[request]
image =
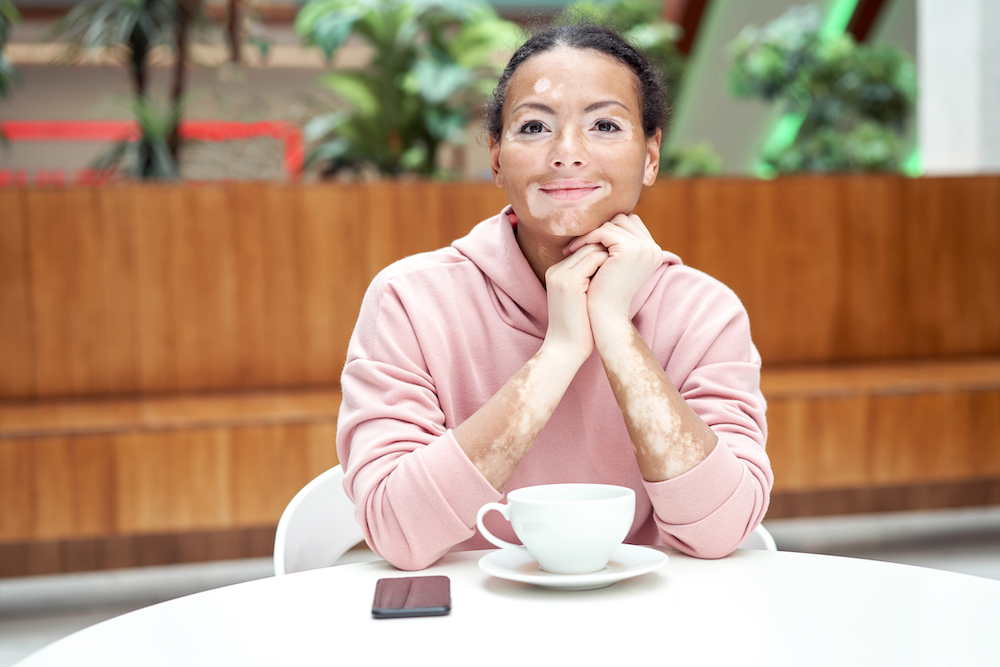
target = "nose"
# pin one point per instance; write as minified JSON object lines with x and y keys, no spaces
{"x":568,"y":149}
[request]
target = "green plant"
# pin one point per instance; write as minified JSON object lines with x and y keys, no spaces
{"x":433,"y":62}
{"x":151,"y":157}
{"x":136,"y":27}
{"x":689,"y":161}
{"x":642,"y":23}
{"x":8,"y":74}
{"x":854,"y":101}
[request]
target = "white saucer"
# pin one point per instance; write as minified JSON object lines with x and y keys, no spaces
{"x":627,"y":561}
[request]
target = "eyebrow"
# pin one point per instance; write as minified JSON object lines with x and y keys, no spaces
{"x":549,"y":110}
{"x":607,"y":103}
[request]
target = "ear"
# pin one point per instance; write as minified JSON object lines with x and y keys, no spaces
{"x":652,"y":158}
{"x":495,"y":162}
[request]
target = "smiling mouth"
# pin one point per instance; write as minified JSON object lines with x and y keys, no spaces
{"x":569,"y":191}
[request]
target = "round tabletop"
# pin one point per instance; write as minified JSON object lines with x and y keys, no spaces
{"x":751,"y":608}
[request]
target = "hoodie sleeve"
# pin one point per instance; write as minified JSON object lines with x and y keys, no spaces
{"x":415,"y":491}
{"x":708,"y":511}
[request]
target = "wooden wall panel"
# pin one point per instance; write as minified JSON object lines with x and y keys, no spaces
{"x":74,"y":486}
{"x":250,"y":211}
{"x":149,"y":210}
{"x":142,"y":482}
{"x":17,"y":336}
{"x":67,"y":292}
{"x":283,"y":242}
{"x":153,"y":288}
{"x":332,"y":282}
{"x":270,"y":465}
{"x":872,"y":440}
{"x":18,"y":514}
{"x":121,"y":292}
{"x":173,"y":480}
{"x":205,"y":287}
{"x":872,"y":269}
{"x":986,"y":432}
{"x":818,"y":444}
{"x":120,"y":551}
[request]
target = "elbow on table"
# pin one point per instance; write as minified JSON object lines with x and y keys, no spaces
{"x":402,"y":555}
{"x":706,"y":552}
{"x":709,"y":547}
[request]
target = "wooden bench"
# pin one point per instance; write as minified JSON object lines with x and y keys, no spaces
{"x":120,"y":482}
{"x":169,"y":356}
{"x":884,"y":437}
{"x":142,"y":481}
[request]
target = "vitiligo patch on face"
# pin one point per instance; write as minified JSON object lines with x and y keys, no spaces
{"x":563,"y":219}
{"x":542,"y":85}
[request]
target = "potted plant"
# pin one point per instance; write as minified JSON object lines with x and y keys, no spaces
{"x":136,"y":27}
{"x":8,"y":74}
{"x":853,"y":101}
{"x":432,"y":63}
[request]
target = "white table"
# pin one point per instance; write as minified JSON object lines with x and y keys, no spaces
{"x":753,"y":608}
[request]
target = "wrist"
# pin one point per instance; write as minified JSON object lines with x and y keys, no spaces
{"x":562,"y":355}
{"x":610,"y":327}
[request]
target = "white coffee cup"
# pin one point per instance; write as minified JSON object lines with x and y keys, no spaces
{"x":567,"y":528}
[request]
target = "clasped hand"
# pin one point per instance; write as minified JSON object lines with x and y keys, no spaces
{"x":602,"y":272}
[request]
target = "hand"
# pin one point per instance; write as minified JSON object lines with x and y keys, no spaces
{"x":567,"y":284}
{"x":633,"y":256}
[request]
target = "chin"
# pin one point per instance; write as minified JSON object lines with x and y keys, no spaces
{"x":574,"y":222}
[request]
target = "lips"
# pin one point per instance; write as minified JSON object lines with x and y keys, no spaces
{"x":569,"y":189}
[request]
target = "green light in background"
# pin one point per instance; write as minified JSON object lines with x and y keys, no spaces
{"x":913,"y":166}
{"x":786,"y":129}
{"x":782,"y":136}
{"x":837,"y":18}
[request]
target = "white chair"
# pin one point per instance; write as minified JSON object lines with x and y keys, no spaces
{"x":760,"y":539}
{"x":317,"y":527}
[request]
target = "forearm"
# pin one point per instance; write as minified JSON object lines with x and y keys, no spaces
{"x":668,"y":437}
{"x":497,"y":437}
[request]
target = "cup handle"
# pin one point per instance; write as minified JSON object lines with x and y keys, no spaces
{"x":504,"y":510}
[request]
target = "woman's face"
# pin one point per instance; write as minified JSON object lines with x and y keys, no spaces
{"x":572,"y":154}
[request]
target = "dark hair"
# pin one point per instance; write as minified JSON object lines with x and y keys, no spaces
{"x":652,"y":94}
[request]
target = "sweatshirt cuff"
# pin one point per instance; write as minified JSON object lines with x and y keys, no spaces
{"x":446,"y":462}
{"x":699,"y":492}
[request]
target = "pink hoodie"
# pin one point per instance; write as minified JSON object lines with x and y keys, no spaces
{"x":439,"y":333}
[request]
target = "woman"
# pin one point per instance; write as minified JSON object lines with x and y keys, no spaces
{"x":556,"y":342}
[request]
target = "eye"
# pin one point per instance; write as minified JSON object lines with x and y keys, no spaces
{"x":606,"y":126}
{"x":532,"y":127}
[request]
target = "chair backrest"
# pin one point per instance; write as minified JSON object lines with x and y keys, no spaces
{"x":761,"y":539}
{"x":317,"y":527}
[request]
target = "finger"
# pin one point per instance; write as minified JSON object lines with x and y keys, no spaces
{"x":584,"y":262}
{"x":580,"y":249}
{"x":588,"y":254}
{"x":632,"y":224}
{"x":605,"y":235}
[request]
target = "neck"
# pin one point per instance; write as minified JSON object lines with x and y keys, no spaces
{"x":541,"y":252}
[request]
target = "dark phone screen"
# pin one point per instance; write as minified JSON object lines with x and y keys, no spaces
{"x":400,"y":597}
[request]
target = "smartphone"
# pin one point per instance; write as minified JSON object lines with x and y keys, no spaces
{"x":399,"y":597}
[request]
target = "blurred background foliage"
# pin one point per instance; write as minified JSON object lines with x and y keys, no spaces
{"x":8,"y":73}
{"x":133,"y":29}
{"x":853,"y":101}
{"x":433,"y":63}
{"x":642,"y":23}
{"x":690,"y":161}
